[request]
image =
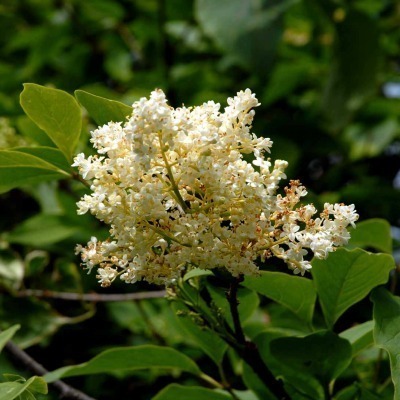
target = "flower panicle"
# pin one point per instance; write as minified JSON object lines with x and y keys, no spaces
{"x":177,"y":192}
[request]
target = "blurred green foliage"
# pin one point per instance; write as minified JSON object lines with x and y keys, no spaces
{"x":327,"y":75}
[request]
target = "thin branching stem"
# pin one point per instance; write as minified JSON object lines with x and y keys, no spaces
{"x":93,"y":297}
{"x":24,"y":359}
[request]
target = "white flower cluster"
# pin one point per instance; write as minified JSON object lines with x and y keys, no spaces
{"x":177,"y":193}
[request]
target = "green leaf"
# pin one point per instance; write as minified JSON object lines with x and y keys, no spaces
{"x":103,"y":110}
{"x":19,"y":169}
{"x":359,"y":336}
{"x":31,"y":131}
{"x":293,"y":292}
{"x":178,"y":392}
{"x":323,"y":355}
{"x":356,"y":392}
{"x":11,"y":390}
{"x":369,"y":141}
{"x":6,"y":335}
{"x":354,"y":70}
{"x":284,"y":79}
{"x":56,"y":112}
{"x":129,"y":359}
{"x":41,"y":230}
{"x":240,"y":28}
{"x":299,"y":386}
{"x":201,"y":337}
{"x":387,"y":328}
{"x":346,"y":277}
{"x":49,"y":154}
{"x":374,"y":232}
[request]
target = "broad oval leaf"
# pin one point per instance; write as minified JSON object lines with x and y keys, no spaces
{"x":375,"y":233}
{"x":6,"y":335}
{"x":296,"y":293}
{"x":178,"y":392}
{"x":323,"y":355}
{"x":56,"y":112}
{"x":18,"y":169}
{"x":299,"y":386}
{"x":129,"y":359}
{"x":386,"y":331}
{"x":103,"y":110}
{"x":346,"y":277}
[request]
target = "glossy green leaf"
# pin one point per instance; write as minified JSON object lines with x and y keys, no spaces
{"x":198,"y":335}
{"x":178,"y":392}
{"x":103,"y":110}
{"x":299,"y":386}
{"x":346,"y":277}
{"x":374,"y":233}
{"x":41,"y":230}
{"x":12,"y":390}
{"x":323,"y":355}
{"x":49,"y":154}
{"x":294,"y":292}
{"x":386,"y":331}
{"x":129,"y":359}
{"x":355,"y":69}
{"x":359,"y":336}
{"x":19,"y":169}
{"x":6,"y":335}
{"x":55,"y":112}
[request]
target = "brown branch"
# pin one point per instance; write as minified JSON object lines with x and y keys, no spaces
{"x":94,"y":297}
{"x":24,"y":359}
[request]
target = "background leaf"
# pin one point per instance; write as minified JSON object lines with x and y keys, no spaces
{"x":387,"y":328}
{"x":346,"y":277}
{"x":355,"y":67}
{"x":244,"y":29}
{"x":56,"y":112}
{"x":41,"y":230}
{"x":103,"y":110}
{"x":295,"y":293}
{"x":129,"y":359}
